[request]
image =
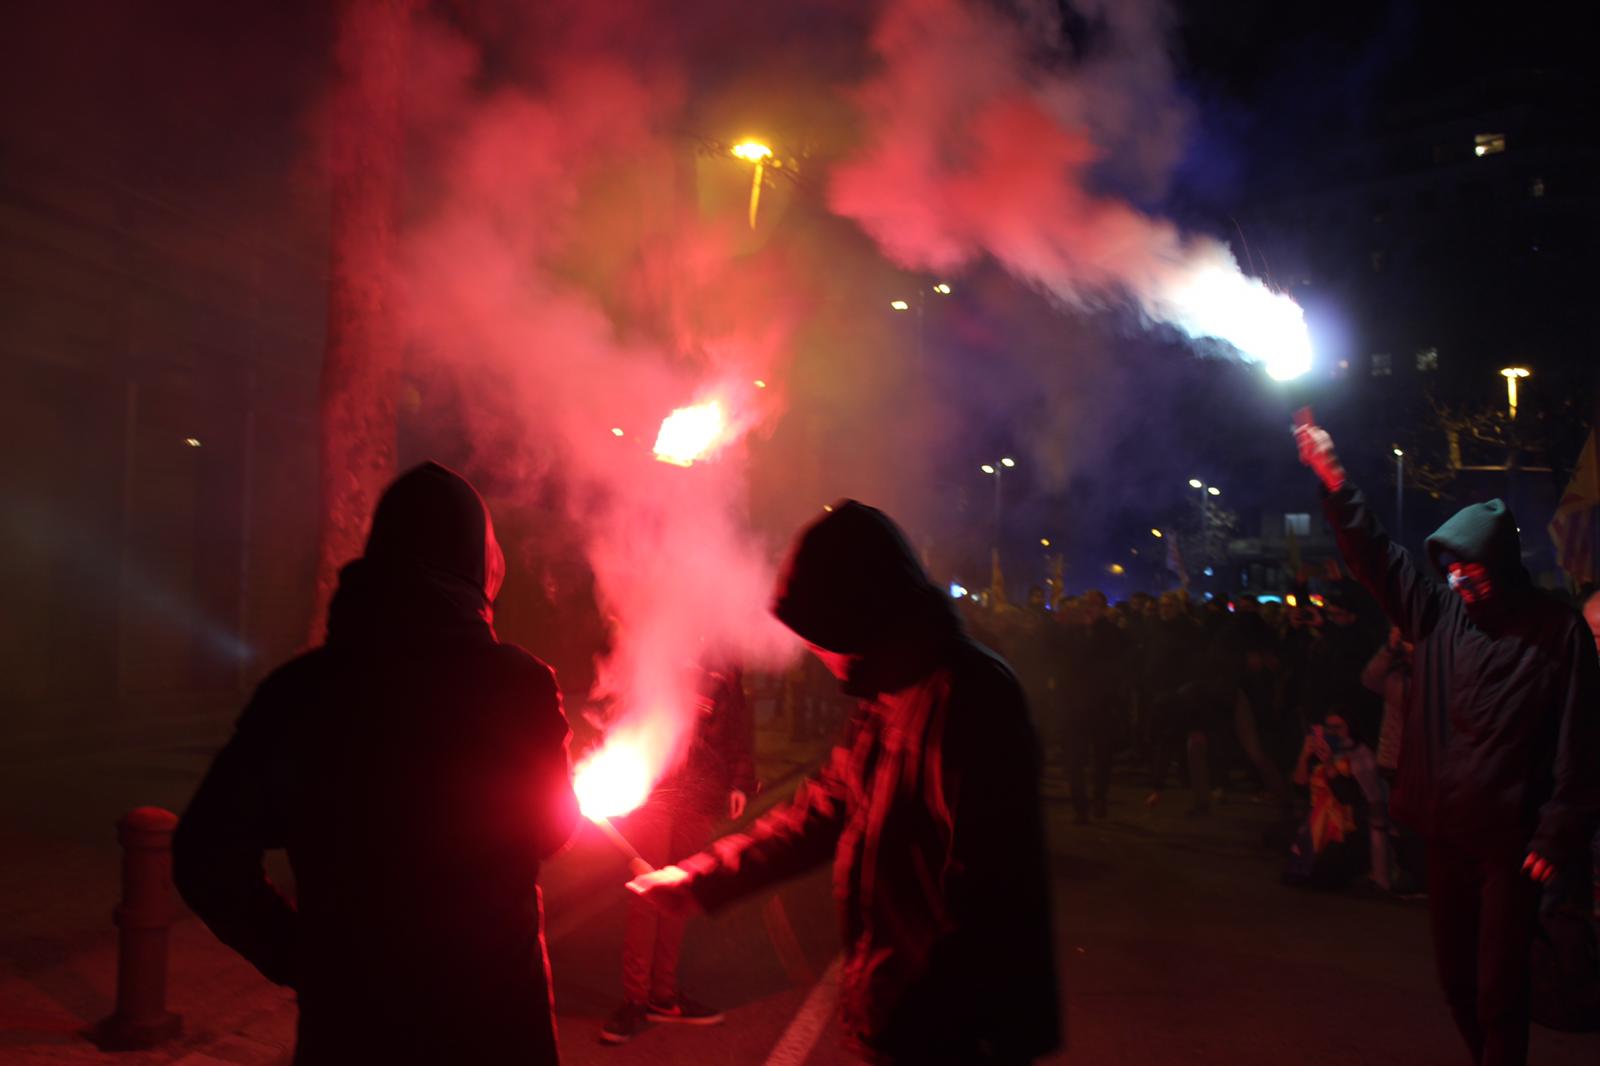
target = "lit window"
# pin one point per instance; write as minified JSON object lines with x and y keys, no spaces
{"x":1298,"y":524}
{"x":1488,"y":144}
{"x":1427,"y":359}
{"x":1382,"y":365}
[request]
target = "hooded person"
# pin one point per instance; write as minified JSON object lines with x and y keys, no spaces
{"x":415,"y":770}
{"x":928,"y":809}
{"x":1500,"y":758}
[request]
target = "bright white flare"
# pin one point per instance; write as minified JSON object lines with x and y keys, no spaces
{"x":613,"y":781}
{"x":1216,"y":300}
{"x":690,"y":433}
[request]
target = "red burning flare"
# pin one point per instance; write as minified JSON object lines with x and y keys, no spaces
{"x":610,"y":783}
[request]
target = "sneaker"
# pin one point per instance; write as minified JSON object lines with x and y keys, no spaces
{"x":629,"y":1021}
{"x":684,"y":1011}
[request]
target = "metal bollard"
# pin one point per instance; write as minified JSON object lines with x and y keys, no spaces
{"x":144,"y":915}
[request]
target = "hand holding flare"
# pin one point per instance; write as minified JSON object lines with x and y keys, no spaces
{"x":610,"y":783}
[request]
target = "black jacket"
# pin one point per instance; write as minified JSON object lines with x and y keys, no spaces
{"x":929,"y":811}
{"x":1501,"y":748}
{"x":415,"y":770}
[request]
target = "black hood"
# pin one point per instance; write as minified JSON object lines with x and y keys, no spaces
{"x":431,"y":561}
{"x":854,"y":586}
{"x":1484,"y":533}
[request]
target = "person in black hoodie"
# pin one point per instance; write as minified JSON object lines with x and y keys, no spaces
{"x":416,"y":772}
{"x":1500,"y":762}
{"x":929,"y":810}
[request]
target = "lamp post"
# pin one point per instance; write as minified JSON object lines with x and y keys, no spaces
{"x":757,"y":153}
{"x":1399,"y":495}
{"x":1513,"y":374}
{"x":997,"y":470}
{"x":942,"y":288}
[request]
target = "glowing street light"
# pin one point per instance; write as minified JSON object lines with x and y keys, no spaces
{"x":998,"y":469}
{"x":1196,"y":483}
{"x":1213,"y":490}
{"x":943,"y":288}
{"x":1512,"y":374}
{"x":1156,"y":533}
{"x":757,"y":153}
{"x":899,"y":305}
{"x":616,"y":431}
{"x":1044,"y":542}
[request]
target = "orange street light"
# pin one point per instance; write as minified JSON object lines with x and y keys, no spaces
{"x":757,"y":153}
{"x":1512,"y":374}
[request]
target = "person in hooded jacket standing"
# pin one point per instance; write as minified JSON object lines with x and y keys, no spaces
{"x":929,"y":810}
{"x":416,"y":771}
{"x":1500,"y":758}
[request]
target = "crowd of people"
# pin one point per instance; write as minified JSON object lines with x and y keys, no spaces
{"x":416,"y":771}
{"x":1240,"y":699}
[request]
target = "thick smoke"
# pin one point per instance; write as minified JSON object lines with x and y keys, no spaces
{"x":985,"y":136}
{"x":572,"y":265}
{"x":561,"y":282}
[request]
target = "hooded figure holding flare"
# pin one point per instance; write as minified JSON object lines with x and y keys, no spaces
{"x":1500,"y":759}
{"x":928,"y":809}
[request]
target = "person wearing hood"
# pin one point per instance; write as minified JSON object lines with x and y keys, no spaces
{"x":1500,"y":754}
{"x":929,"y":810}
{"x":416,"y":772}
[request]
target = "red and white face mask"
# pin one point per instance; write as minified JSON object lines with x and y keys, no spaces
{"x":1470,"y":581}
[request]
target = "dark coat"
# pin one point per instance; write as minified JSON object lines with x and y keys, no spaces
{"x":1501,"y":745}
{"x":416,"y":771}
{"x":929,"y":811}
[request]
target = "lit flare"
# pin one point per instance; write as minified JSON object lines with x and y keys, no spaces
{"x":691,"y":433}
{"x":612,"y":782}
{"x":1267,"y":327}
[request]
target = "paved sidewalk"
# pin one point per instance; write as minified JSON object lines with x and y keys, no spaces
{"x":60,"y":881}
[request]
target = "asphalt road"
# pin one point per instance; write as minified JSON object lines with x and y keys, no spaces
{"x":1177,"y":943}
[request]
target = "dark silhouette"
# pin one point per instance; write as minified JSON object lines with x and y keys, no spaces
{"x":1500,"y":747}
{"x":928,"y":809}
{"x":416,"y":771}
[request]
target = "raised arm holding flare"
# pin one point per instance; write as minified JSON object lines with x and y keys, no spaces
{"x":1498,"y":765}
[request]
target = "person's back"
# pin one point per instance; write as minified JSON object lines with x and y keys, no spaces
{"x":416,"y":772}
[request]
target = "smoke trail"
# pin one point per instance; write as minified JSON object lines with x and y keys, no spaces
{"x":559,"y":275}
{"x":1002,"y":160}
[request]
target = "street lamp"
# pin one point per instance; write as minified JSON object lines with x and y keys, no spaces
{"x":1213,"y":490}
{"x":757,"y":153}
{"x":1156,"y":533}
{"x":1512,"y":374}
{"x":997,"y":470}
{"x":1399,"y":495}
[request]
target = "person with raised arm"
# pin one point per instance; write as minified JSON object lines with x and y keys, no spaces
{"x":1500,"y":758}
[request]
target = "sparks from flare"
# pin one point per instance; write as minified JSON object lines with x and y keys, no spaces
{"x":691,"y":433}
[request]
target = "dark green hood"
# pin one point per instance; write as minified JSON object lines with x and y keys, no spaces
{"x":1481,"y":533}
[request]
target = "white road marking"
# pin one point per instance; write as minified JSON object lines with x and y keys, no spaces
{"x":794,"y":1046}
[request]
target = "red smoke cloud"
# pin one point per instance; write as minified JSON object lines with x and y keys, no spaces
{"x":976,"y":147}
{"x":558,"y":271}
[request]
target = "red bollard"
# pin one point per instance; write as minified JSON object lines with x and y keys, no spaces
{"x":142,"y":1019}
